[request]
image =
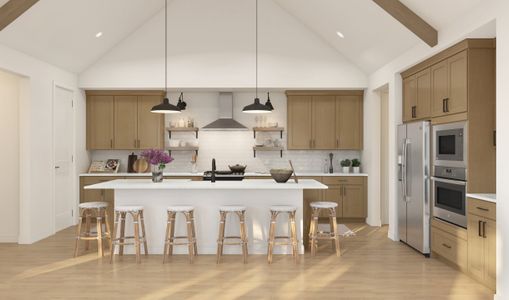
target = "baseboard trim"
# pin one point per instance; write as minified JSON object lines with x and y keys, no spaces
{"x":8,"y":239}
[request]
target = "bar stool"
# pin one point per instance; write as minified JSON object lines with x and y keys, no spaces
{"x":332,"y":235}
{"x":170,"y":239}
{"x":291,"y":240}
{"x":136,"y":212}
{"x":87,"y":211}
{"x":240,"y":211}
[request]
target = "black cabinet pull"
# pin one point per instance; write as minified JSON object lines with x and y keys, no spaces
{"x":494,"y":138}
{"x":443,"y":105}
{"x":484,"y":229}
{"x":446,"y":104}
{"x":479,"y":229}
{"x":414,"y":111}
{"x":446,"y":246}
{"x":482,"y":208}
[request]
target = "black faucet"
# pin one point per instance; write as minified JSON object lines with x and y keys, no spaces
{"x":213,"y":175}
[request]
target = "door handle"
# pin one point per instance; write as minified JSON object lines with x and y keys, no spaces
{"x":337,"y":143}
{"x":446,"y":246}
{"x":414,"y":111}
{"x":479,"y":228}
{"x":344,"y":191}
{"x":111,"y":143}
{"x":484,"y":229}
{"x":57,"y":167}
{"x":446,"y":104}
{"x":482,"y":208}
{"x":443,"y":105}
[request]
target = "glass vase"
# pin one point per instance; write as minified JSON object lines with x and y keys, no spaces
{"x":157,"y":174}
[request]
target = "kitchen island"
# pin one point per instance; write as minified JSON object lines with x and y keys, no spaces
{"x":258,"y":195}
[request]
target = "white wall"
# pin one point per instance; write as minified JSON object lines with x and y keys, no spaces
{"x":232,"y":147}
{"x":36,"y":98}
{"x":9,"y":180}
{"x":211,"y":45}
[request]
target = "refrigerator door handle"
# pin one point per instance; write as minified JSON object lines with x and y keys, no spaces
{"x":406,"y":142}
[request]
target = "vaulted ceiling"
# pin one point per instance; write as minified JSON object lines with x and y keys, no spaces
{"x":62,"y":32}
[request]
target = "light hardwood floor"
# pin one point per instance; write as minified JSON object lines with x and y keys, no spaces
{"x":371,"y":267}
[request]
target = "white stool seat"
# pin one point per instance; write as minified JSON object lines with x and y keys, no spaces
{"x":323,"y":204}
{"x":180,"y":208}
{"x":128,"y":208}
{"x":93,"y":205}
{"x":283,"y":208}
{"x":232,"y":208}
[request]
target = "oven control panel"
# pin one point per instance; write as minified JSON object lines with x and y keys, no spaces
{"x":450,"y":173}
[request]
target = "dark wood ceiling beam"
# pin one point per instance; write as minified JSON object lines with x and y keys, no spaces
{"x":410,"y":20}
{"x":11,"y":10}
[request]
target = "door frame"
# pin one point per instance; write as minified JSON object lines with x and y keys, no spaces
{"x":74,"y":204}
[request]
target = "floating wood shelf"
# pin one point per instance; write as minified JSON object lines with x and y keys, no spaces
{"x":182,"y":149}
{"x":268,"y":129}
{"x":258,"y":148}
{"x":182,"y":129}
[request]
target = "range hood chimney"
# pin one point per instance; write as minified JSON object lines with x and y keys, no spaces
{"x":225,"y":120}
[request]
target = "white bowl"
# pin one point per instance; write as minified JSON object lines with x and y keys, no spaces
{"x":174,"y":143}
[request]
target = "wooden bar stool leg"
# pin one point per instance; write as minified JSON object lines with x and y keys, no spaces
{"x":272,"y":233}
{"x":108,"y":229}
{"x":87,"y":228}
{"x":167,"y":238}
{"x":220,"y":239}
{"x":194,"y":234}
{"x":114,"y":236}
{"x":145,"y":247}
{"x":189,"y":236}
{"x":172,"y":232}
{"x":99,"y":225}
{"x":293,"y":230}
{"x":335,"y":231}
{"x":78,"y":235}
{"x":314,"y":232}
{"x":122,"y":233}
{"x":243,"y":234}
{"x":136,"y":221}
{"x":332,"y":213}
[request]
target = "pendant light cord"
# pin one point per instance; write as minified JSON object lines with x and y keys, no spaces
{"x":256,"y":47}
{"x":166,"y":47}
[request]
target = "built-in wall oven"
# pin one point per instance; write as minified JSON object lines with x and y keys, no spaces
{"x":450,"y":145}
{"x":449,"y":195}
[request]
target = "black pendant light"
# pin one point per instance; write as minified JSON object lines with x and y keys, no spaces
{"x":268,"y":103}
{"x":166,"y":107}
{"x":256,"y":107}
{"x":182,"y":104}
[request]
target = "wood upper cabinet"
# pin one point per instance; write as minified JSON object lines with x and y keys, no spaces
{"x":449,"y":85}
{"x":349,"y":122}
{"x":126,"y":127}
{"x":409,"y":98}
{"x":417,"y":96}
{"x":324,"y":118}
{"x":299,"y":122}
{"x":100,"y":122}
{"x":122,"y":120}
{"x":150,"y":125}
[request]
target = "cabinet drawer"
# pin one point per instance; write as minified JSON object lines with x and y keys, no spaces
{"x":456,"y":231}
{"x":452,"y":248}
{"x":342,"y":180}
{"x":482,"y":208}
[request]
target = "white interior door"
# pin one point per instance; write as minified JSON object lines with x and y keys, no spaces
{"x":63,"y":141}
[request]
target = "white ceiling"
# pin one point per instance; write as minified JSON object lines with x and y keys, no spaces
{"x":62,"y":32}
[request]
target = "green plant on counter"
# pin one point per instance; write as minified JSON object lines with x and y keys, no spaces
{"x":346,"y":162}
{"x":356,"y":162}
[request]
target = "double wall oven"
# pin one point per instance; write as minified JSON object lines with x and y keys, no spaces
{"x":449,"y":181}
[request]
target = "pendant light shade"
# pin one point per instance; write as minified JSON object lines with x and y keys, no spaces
{"x":256,"y":108}
{"x":166,"y":107}
{"x":268,"y":103}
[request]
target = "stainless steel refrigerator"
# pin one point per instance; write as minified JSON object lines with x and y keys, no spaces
{"x":414,"y":208}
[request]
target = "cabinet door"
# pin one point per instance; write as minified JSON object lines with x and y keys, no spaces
{"x":490,"y":254}
{"x":423,"y":93}
{"x":126,"y":116}
{"x":324,"y":118}
{"x":98,"y":195}
{"x":409,"y":98}
{"x":150,"y":125}
{"x":309,"y":196}
{"x":349,"y":122}
{"x":333,"y":194}
{"x":475,"y":247}
{"x":99,"y":122}
{"x":439,"y":88}
{"x":299,"y":122}
{"x":354,"y":204}
{"x":457,"y":66}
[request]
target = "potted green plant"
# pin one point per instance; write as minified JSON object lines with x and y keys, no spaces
{"x":356,"y":165}
{"x":345,"y":165}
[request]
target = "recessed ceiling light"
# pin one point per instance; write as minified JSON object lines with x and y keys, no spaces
{"x":99,"y":34}
{"x":340,"y":34}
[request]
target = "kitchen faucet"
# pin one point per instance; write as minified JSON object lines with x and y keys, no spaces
{"x":213,"y":175}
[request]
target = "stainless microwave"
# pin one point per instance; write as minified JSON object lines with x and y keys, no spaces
{"x":450,"y":145}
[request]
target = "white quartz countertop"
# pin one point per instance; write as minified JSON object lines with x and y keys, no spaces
{"x":184,"y":184}
{"x":484,"y":197}
{"x":199,"y":174}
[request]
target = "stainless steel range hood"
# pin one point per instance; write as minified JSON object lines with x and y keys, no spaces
{"x":225,"y":121}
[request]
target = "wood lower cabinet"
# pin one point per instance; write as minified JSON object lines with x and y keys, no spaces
{"x":325,"y":120}
{"x":482,"y":242}
{"x":354,"y":204}
{"x":98,"y":195}
{"x":450,"y":243}
{"x":122,"y":120}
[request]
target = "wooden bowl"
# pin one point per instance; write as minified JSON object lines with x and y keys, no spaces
{"x":141,"y":165}
{"x":281,"y":175}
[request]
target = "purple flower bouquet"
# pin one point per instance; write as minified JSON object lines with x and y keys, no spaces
{"x":158,"y":159}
